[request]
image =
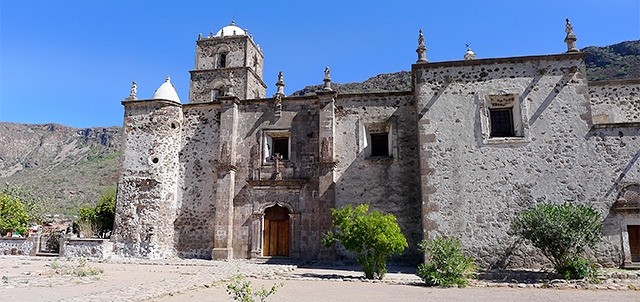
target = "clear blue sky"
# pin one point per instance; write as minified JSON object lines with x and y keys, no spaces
{"x":72,"y":62}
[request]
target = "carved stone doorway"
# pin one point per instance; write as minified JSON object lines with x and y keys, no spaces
{"x":634,"y":242}
{"x":276,"y":232}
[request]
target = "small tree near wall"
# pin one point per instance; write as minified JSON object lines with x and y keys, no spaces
{"x":13,"y":216}
{"x":371,"y":235}
{"x":562,"y":232}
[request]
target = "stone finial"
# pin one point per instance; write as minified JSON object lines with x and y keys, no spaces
{"x":327,"y":79}
{"x":199,"y":36}
{"x":280,"y":85}
{"x":167,"y":79}
{"x":469,"y":55}
{"x":571,"y":38}
{"x":133,"y":94}
{"x":422,"y":49}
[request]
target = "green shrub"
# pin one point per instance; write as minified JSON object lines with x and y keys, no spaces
{"x":371,"y":235}
{"x":13,"y":216}
{"x":562,"y":232}
{"x":35,"y":206}
{"x":98,"y":220}
{"x":577,"y":269}
{"x":447,"y":265}
{"x":80,"y":270}
{"x":240,"y":290}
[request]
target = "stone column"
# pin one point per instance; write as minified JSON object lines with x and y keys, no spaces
{"x":226,"y":170}
{"x":257,"y":220}
{"x":294,"y":235}
{"x":326,"y":167}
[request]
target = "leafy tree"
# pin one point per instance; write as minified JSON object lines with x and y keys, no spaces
{"x":371,"y":235}
{"x":106,"y":213}
{"x":447,"y":265}
{"x":13,"y":216}
{"x":35,"y":205}
{"x":562,"y":232}
{"x":98,"y":220}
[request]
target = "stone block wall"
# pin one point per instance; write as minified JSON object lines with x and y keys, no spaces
{"x":615,"y":102}
{"x":256,"y":88}
{"x":86,"y":247}
{"x":148,"y":187}
{"x":255,"y":58}
{"x":389,"y":184}
{"x":207,"y":48}
{"x":200,"y":136}
{"x":472,"y":183}
{"x":203,"y":81}
{"x":297,"y":191}
{"x":18,"y":246}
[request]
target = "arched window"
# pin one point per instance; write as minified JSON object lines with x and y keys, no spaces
{"x":221,"y":62}
{"x":255,"y":63}
{"x":222,"y":53}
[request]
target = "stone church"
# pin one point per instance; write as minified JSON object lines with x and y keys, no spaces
{"x":234,"y":174}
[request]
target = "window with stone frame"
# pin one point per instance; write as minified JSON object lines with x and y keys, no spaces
{"x":378,"y":137}
{"x":276,"y":143}
{"x":504,"y":117}
{"x":379,"y":144}
{"x":501,"y":122}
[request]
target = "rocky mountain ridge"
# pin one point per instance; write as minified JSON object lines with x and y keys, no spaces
{"x":614,"y":62}
{"x":64,"y":165}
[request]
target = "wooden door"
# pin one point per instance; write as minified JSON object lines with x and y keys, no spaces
{"x":276,"y":232}
{"x":634,"y":242}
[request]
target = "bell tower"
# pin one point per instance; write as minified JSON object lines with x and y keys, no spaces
{"x":228,"y":63}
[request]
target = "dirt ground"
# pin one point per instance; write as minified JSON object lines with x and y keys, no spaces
{"x":297,"y":290}
{"x":53,"y":279}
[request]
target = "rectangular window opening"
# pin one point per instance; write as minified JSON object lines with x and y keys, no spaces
{"x":501,"y":120}
{"x":379,"y":144}
{"x":281,"y":147}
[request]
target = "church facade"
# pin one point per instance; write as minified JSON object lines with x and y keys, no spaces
{"x":234,"y":174}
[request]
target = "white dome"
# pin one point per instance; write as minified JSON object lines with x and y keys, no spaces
{"x":231,"y":30}
{"x":166,"y":91}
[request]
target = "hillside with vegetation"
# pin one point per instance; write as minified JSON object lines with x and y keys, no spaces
{"x":618,"y":61}
{"x":69,"y":166}
{"x":614,"y":62}
{"x":62,"y":165}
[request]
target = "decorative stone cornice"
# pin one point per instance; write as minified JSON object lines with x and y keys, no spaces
{"x":297,"y":183}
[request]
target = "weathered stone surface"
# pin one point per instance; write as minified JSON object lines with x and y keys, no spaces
{"x":18,"y":246}
{"x":428,"y":156}
{"x":477,"y":186}
{"x":615,"y":102}
{"x":86,"y":247}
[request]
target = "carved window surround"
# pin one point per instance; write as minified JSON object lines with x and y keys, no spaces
{"x":503,"y":105}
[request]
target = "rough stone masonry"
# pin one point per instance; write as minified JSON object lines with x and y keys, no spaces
{"x":233,"y":173}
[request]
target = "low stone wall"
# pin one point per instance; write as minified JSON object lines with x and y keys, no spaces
{"x":86,"y":247}
{"x":18,"y":246}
